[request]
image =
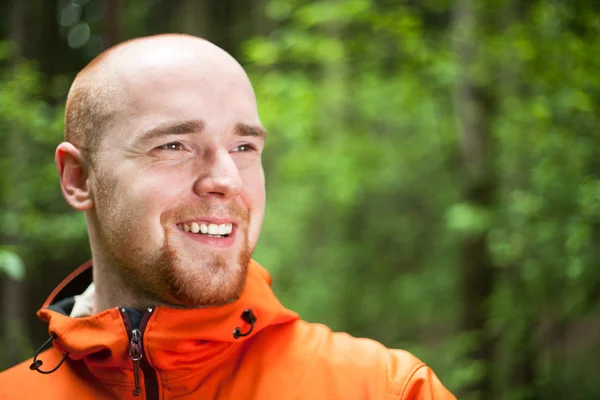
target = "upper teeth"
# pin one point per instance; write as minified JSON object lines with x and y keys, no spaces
{"x":211,"y":229}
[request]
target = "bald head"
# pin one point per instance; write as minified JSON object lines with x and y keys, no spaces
{"x":106,"y":90}
{"x":163,"y":133}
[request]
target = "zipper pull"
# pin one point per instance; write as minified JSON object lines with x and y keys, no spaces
{"x":136,"y":354}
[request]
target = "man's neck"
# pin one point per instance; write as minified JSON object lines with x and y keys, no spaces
{"x":113,"y":290}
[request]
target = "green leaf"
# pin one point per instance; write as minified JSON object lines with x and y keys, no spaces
{"x":12,"y":265}
{"x":467,"y":218}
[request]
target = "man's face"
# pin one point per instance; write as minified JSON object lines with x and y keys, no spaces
{"x":178,"y":183}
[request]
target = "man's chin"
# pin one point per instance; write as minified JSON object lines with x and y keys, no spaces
{"x":213,"y":282}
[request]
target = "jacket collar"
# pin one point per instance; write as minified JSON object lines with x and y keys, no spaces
{"x":103,"y":338}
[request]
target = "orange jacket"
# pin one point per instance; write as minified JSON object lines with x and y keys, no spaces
{"x":203,"y":354}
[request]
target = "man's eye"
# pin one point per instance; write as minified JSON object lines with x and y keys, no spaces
{"x":244,"y":148}
{"x":171,"y":146}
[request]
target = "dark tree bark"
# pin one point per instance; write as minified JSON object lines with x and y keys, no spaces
{"x":261,"y":23}
{"x":474,"y":104}
{"x":195,"y":17}
{"x":162,"y":19}
{"x":112,"y":24}
{"x":18,"y":26}
{"x":13,"y":301}
{"x":523,"y":374}
{"x":225,"y":23}
{"x":522,"y":367}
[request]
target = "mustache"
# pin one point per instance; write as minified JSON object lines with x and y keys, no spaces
{"x":215,"y":210}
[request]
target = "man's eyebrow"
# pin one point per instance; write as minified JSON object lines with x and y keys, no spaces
{"x":173,"y":128}
{"x":250,"y":130}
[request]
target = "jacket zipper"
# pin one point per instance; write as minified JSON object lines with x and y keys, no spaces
{"x":136,"y":354}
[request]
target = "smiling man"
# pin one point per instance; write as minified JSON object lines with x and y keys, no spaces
{"x":162,"y":153}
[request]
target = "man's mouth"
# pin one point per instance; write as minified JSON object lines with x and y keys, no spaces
{"x":207,"y":229}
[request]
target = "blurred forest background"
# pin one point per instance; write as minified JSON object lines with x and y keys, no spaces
{"x":433,"y":171}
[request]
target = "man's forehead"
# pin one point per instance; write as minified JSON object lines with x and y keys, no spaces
{"x":157,"y":79}
{"x":164,"y":57}
{"x":162,"y":48}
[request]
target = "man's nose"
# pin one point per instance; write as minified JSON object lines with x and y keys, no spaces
{"x":218,"y":175}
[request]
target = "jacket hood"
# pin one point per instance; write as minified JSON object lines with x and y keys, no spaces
{"x":173,"y":338}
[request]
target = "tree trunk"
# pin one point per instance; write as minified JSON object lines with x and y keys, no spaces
{"x":522,"y":379}
{"x":18,"y":27}
{"x":13,"y":301}
{"x":474,"y":106}
{"x":162,"y":17}
{"x":112,"y":26}
{"x":195,"y":17}
{"x":261,"y":23}
{"x":225,"y":23}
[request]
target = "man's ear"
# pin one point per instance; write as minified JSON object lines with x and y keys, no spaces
{"x":73,"y":173}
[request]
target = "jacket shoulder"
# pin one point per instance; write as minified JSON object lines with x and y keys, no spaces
{"x":332,"y":362}
{"x":20,"y":382}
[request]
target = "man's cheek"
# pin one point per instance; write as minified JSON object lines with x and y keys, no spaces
{"x":165,"y":187}
{"x":254,"y":186}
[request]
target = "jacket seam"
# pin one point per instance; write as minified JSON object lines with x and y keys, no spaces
{"x":408,"y":379}
{"x":119,"y":384}
{"x":430,"y":387}
{"x":160,"y":389}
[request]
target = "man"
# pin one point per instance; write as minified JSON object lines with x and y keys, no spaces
{"x":162,"y":153}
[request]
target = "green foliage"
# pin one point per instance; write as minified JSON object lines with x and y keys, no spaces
{"x":466,"y":218}
{"x":366,"y":187}
{"x":34,"y":219}
{"x":11,"y":264}
{"x":359,"y":170}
